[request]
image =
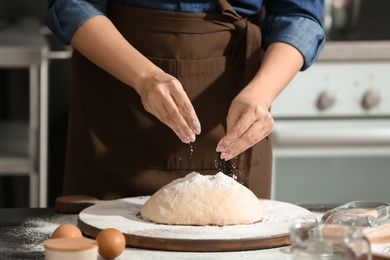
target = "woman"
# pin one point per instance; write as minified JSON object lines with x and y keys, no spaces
{"x":151,"y":77}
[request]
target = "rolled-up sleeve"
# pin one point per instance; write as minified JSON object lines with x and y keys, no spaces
{"x":64,"y":17}
{"x":298,"y":25}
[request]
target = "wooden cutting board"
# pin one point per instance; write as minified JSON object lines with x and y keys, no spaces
{"x":123,"y":214}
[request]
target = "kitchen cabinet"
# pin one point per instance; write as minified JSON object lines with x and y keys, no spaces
{"x":23,"y":145}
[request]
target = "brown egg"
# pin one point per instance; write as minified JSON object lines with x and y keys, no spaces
{"x":111,"y":243}
{"x":67,"y":231}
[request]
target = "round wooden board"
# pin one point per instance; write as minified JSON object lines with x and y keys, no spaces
{"x":123,"y":214}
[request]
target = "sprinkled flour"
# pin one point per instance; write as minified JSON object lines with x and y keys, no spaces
{"x":39,"y":230}
{"x":194,"y":179}
{"x":198,"y":199}
{"x":123,"y":215}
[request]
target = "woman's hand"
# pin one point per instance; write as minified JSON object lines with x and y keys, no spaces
{"x":163,"y":96}
{"x":248,"y":122}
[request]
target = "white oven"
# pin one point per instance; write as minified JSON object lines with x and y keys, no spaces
{"x":332,"y":123}
{"x":332,"y":133}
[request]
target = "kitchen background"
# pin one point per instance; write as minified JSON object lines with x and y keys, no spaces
{"x":14,"y":106}
{"x":332,"y":130}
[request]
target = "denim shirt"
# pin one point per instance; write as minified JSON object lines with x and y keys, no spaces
{"x":296,"y":22}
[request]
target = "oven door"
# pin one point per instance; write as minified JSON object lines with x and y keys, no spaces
{"x":331,"y":160}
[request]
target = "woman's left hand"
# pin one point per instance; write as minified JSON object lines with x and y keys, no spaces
{"x":248,"y":122}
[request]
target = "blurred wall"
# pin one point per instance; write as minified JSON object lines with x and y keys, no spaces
{"x":14,"y":105}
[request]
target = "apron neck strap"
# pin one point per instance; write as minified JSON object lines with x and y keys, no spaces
{"x":228,"y":10}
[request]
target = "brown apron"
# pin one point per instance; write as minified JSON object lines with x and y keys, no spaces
{"x":117,"y":149}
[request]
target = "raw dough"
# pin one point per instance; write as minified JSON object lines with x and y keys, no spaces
{"x":203,"y":200}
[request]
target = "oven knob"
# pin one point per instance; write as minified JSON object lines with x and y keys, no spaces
{"x":370,"y":99}
{"x":325,"y":100}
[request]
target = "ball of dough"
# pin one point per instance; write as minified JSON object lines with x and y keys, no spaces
{"x":203,"y":200}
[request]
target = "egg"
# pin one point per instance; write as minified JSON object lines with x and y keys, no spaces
{"x":111,"y":243}
{"x":67,"y":231}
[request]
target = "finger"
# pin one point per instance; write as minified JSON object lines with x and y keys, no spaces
{"x":252,"y":136}
{"x":175,"y":120}
{"x":242,"y":125}
{"x":188,"y":112}
{"x":164,"y":117}
{"x":182,"y":112}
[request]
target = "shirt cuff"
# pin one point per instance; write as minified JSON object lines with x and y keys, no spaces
{"x":64,"y":17}
{"x":306,"y":35}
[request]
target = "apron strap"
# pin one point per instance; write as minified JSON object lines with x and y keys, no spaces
{"x":247,"y":52}
{"x":247,"y":49}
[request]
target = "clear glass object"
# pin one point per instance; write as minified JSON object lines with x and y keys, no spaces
{"x":328,"y":241}
{"x":380,"y":244}
{"x":363,"y":214}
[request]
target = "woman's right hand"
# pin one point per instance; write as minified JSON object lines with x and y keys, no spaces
{"x":163,"y":96}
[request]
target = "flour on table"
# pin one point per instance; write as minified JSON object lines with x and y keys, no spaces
{"x":203,"y":200}
{"x":123,"y":214}
{"x":37,"y":230}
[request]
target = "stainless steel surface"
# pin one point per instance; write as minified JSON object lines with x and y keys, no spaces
{"x":14,"y":148}
{"x":341,"y":15}
{"x":370,"y":26}
{"x":355,"y":51}
{"x":22,"y":46}
{"x":367,"y":138}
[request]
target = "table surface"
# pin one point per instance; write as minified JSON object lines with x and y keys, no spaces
{"x":23,"y":231}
